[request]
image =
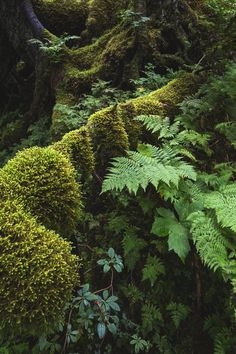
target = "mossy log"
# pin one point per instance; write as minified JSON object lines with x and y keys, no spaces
{"x":39,"y":192}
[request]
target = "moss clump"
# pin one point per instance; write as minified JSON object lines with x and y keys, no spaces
{"x":77,"y":146}
{"x":44,"y":181}
{"x":37,"y":270}
{"x":108,"y":134}
{"x":61,"y":16}
{"x":164,"y":100}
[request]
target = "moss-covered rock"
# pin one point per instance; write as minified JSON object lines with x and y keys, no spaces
{"x":37,"y":270}
{"x":44,"y":181}
{"x":77,"y":146}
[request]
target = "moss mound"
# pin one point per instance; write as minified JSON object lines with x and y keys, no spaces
{"x":44,"y":181}
{"x":77,"y":146}
{"x":37,"y":270}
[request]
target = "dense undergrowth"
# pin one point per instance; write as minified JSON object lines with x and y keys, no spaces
{"x":141,"y":184}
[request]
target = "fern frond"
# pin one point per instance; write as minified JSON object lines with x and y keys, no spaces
{"x":150,"y":165}
{"x":178,"y":312}
{"x":209,"y":241}
{"x":224,"y":204}
{"x":229,"y":130}
{"x":153,"y":269}
{"x":155,"y":123}
{"x":151,"y":317}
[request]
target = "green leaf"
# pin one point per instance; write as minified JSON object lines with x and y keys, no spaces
{"x":111,"y":252}
{"x":178,"y":240}
{"x":114,"y":306}
{"x":101,"y":330}
{"x":106,"y":268}
{"x":112,"y":328}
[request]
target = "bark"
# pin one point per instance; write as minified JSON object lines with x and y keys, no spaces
{"x":140,"y":6}
{"x":7,"y":56}
{"x":21,"y":25}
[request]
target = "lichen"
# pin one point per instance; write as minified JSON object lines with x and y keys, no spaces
{"x":44,"y":181}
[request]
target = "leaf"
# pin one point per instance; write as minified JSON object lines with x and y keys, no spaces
{"x":114,"y":306}
{"x":106,"y":268}
{"x":162,"y":222}
{"x":112,"y":328}
{"x":178,"y":240}
{"x":111,"y":252}
{"x":101,"y":330}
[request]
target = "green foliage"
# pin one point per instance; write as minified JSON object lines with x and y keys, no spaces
{"x":37,"y":134}
{"x":54,"y":47}
{"x":153,"y":269}
{"x":223,"y":8}
{"x":148,"y":165}
{"x":178,"y":313}
{"x":150,"y":80}
{"x":90,"y":313}
{"x":139,"y":344}
{"x":224,"y":204}
{"x":166,"y":224}
{"x":134,"y":19}
{"x":72,"y":117}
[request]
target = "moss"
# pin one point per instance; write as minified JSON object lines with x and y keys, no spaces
{"x":108,"y":134}
{"x":77,"y":81}
{"x":104,"y":59}
{"x":78,"y":147}
{"x":104,"y":14}
{"x":61,"y":114}
{"x":162,"y":102}
{"x":44,"y":181}
{"x":37,"y":270}
{"x":60,"y":16}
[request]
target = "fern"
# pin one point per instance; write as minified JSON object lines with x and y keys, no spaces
{"x":156,"y":123}
{"x":151,"y":165}
{"x":151,"y":318}
{"x":153,"y":269}
{"x":229,"y":130}
{"x":178,"y":312}
{"x":209,"y":241}
{"x":132,"y":246}
{"x":224,"y":204}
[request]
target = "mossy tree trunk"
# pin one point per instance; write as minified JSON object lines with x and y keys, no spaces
{"x":162,"y":40}
{"x":21,"y":25}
